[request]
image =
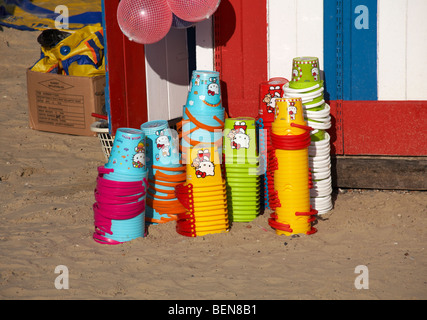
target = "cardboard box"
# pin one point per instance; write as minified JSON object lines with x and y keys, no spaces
{"x":64,"y":104}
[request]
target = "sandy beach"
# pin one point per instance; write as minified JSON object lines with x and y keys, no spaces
{"x":47,"y":185}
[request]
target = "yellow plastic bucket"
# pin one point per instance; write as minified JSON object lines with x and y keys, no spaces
{"x":204,"y":166}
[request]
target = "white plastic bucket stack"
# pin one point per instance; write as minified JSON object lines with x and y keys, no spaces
{"x":307,"y":85}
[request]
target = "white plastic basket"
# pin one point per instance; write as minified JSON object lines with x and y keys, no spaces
{"x":107,"y":140}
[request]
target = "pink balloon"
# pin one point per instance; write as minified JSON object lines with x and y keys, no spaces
{"x":193,"y":10}
{"x":144,"y":21}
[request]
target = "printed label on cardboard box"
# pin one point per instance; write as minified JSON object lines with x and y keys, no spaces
{"x":56,"y":85}
{"x":64,"y":110}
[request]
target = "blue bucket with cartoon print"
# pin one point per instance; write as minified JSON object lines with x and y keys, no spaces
{"x":211,"y":119}
{"x":163,"y":162}
{"x":192,"y":131}
{"x":166,"y":148}
{"x":127,"y":156}
{"x":162,"y":144}
{"x":204,"y":91}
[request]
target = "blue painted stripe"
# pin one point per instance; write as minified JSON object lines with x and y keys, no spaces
{"x":330,"y":48}
{"x":348,"y":44}
{"x":363,"y":49}
{"x":356,"y":55}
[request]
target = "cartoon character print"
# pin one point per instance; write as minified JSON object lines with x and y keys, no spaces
{"x":210,"y":97}
{"x":213,"y":87}
{"x":270,"y":98}
{"x":238,"y":137}
{"x":203,"y":165}
{"x":197,"y":81}
{"x":292,"y":110}
{"x":138,"y":160}
{"x":296,"y":73}
{"x":163,"y":143}
{"x":315,"y":71}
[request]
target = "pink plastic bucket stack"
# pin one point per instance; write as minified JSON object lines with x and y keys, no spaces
{"x":120,"y":193}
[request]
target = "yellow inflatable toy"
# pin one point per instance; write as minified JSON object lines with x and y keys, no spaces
{"x":80,"y":54}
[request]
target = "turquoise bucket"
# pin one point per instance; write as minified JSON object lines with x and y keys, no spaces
{"x":127,"y":155}
{"x":127,"y":230}
{"x":204,"y":90}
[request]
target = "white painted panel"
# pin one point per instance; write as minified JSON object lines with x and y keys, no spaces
{"x":295,"y":28}
{"x":392,"y":59}
{"x":156,"y":71}
{"x":417,"y":50}
{"x":177,"y":62}
{"x":205,"y":45}
{"x":310,"y":29}
{"x":167,"y":75}
{"x":282,"y":37}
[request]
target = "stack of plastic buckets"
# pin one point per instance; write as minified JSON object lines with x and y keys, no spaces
{"x":269,"y":91}
{"x":241,"y":169}
{"x":203,"y":115}
{"x":120,"y":194}
{"x":165,"y":172}
{"x":307,"y":85}
{"x":291,"y":139}
{"x":204,"y":194}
